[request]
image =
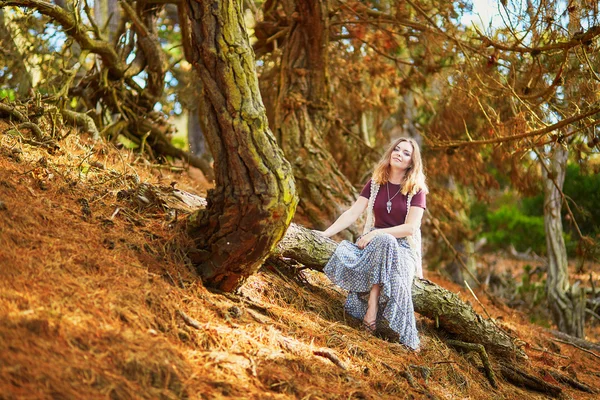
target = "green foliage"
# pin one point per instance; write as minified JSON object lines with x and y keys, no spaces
{"x":509,"y":225}
{"x":127,"y":143}
{"x":514,"y":224}
{"x":180,"y":142}
{"x":521,"y":222}
{"x":533,"y":205}
{"x":584,"y":189}
{"x":7,"y":93}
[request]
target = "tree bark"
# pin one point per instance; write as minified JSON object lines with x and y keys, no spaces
{"x":430,"y":300}
{"x":567,"y":304}
{"x":198,"y":146}
{"x":20,"y":72}
{"x":254,"y":200}
{"x":302,"y":115}
{"x":108,"y":17}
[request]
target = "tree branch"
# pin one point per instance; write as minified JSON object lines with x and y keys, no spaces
{"x":77,"y":31}
{"x":504,"y":139}
{"x":430,"y":300}
{"x":577,"y":40}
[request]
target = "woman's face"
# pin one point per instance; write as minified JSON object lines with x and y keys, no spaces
{"x":401,"y":157}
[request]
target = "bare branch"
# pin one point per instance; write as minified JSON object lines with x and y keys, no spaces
{"x":77,"y":31}
{"x":577,"y":40}
{"x":504,"y":139}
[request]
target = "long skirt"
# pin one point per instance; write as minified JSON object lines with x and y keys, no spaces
{"x":385,"y":261}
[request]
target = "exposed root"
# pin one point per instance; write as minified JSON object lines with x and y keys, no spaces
{"x":6,"y":109}
{"x":409,"y":378}
{"x":577,"y":347}
{"x":33,"y":128}
{"x":518,"y":377}
{"x":574,"y":383}
{"x":82,"y":120}
{"x":479,"y":349}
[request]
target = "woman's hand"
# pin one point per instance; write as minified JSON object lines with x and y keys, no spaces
{"x":364,"y":240}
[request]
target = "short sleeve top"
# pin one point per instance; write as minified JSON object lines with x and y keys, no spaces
{"x":397,"y":215}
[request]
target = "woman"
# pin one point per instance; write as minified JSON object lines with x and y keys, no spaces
{"x":379,"y":269}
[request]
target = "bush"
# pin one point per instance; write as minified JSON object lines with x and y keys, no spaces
{"x":584,"y":189}
{"x":509,"y":225}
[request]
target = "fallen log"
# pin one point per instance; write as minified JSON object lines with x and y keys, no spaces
{"x":430,"y":300}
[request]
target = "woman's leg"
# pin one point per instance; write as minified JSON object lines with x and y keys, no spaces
{"x":373,"y":303}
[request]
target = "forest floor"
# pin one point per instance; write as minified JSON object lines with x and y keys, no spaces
{"x":97,"y":300}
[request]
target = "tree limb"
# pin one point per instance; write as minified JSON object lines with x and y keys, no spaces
{"x":453,"y":314}
{"x":577,"y":40}
{"x":503,"y":139}
{"x":77,"y":31}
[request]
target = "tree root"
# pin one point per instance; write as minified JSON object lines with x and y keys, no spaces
{"x":412,"y":382}
{"x":158,"y":140}
{"x":6,"y":109}
{"x":518,"y":377}
{"x":479,"y":349}
{"x":37,"y":132}
{"x":574,"y":383}
{"x":82,"y":120}
{"x":189,"y":320}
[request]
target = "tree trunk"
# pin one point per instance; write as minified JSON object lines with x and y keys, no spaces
{"x":20,"y":72}
{"x":430,"y":300}
{"x":567,"y":304}
{"x":108,"y":16}
{"x":303,"y":114}
{"x":198,"y":146}
{"x":254,"y":200}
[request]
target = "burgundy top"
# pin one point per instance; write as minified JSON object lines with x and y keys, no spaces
{"x":398,"y":214}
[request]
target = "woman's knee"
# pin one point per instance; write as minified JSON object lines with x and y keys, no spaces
{"x":385,"y":239}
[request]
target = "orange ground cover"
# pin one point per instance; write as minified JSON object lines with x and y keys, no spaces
{"x":94,"y":303}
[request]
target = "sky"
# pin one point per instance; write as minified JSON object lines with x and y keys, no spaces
{"x":483,"y":12}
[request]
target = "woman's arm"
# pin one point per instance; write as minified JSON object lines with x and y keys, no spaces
{"x":413,"y":222}
{"x":348,"y":217}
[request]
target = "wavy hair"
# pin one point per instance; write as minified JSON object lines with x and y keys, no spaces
{"x":414,"y":179}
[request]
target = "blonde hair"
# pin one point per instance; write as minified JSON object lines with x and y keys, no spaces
{"x":414,"y":179}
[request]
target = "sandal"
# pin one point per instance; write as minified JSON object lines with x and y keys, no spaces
{"x":370,"y":327}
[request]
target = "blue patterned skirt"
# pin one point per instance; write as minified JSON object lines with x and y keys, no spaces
{"x":385,"y":261}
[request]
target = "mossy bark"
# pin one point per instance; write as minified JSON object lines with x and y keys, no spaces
{"x":255,"y":197}
{"x":430,"y":300}
{"x":303,"y":115}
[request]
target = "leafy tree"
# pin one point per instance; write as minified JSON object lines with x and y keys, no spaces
{"x":528,"y":89}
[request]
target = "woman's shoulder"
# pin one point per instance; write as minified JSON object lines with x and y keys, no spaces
{"x":366,"y":190}
{"x":421,"y":191}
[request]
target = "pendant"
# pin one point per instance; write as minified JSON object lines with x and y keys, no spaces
{"x":389,"y":206}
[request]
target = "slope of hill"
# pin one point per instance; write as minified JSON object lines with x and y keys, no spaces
{"x":97,"y":300}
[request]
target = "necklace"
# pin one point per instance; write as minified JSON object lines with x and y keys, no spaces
{"x":389,"y":202}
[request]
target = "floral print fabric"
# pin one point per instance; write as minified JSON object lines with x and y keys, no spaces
{"x":386,"y":261}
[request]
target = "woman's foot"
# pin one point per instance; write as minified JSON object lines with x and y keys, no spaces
{"x":370,"y":319}
{"x":370,"y":327}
